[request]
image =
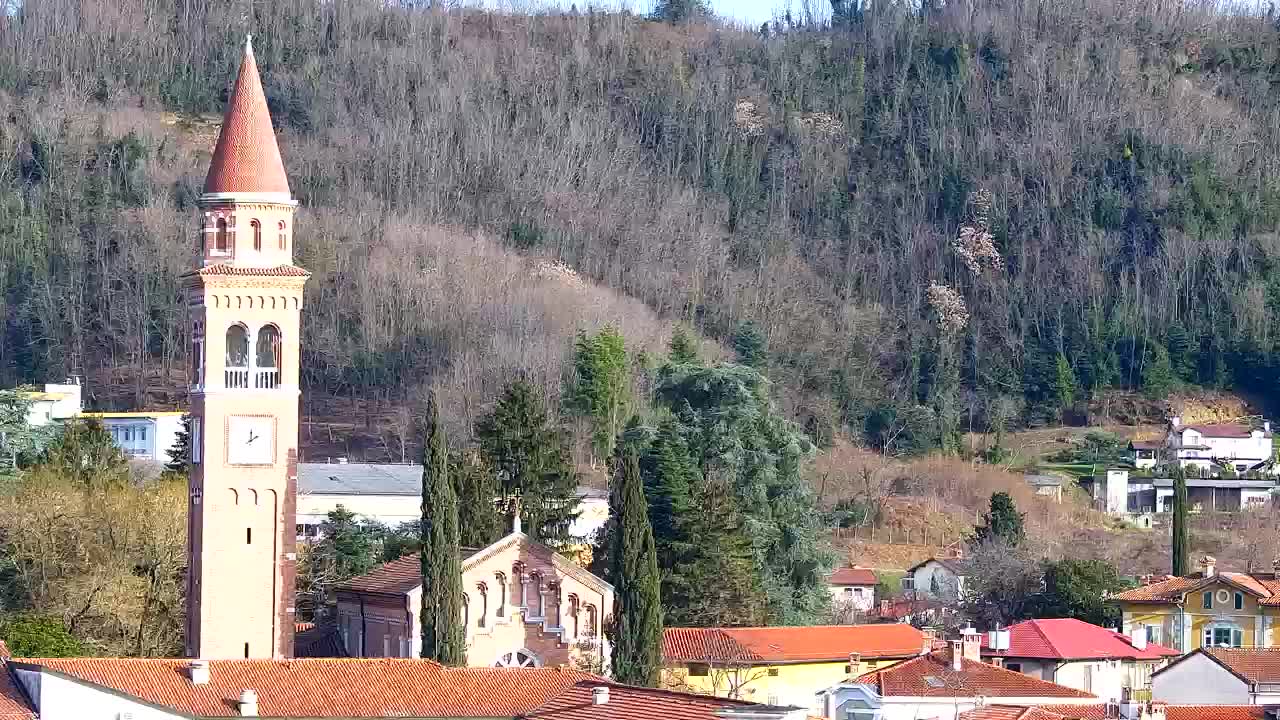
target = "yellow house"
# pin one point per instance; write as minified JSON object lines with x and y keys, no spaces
{"x":782,"y":665}
{"x":1205,"y":609}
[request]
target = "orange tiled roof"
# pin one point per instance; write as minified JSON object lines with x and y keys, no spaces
{"x":1266,"y":586}
{"x":246,"y":158}
{"x":1172,"y":712}
{"x":771,"y":645}
{"x":225,"y":269}
{"x":13,"y":702}
{"x":1219,"y":430}
{"x":1010,"y":712}
{"x":932,"y":676}
{"x":327,"y":688}
{"x":632,"y":703}
{"x":1256,"y":665}
{"x":852,"y":576}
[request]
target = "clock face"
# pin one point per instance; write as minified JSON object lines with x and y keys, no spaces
{"x":251,"y":440}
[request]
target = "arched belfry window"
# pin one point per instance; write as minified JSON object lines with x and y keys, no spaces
{"x":267,"y":358}
{"x":237,"y":364}
{"x":257,"y":234}
{"x":220,"y":243}
{"x":284,"y":242}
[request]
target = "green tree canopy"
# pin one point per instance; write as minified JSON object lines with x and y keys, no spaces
{"x":479,"y":522}
{"x":85,"y":452}
{"x":1002,"y":522}
{"x":36,"y":636}
{"x":180,"y":453}
{"x":531,"y":459}
{"x":750,"y":344}
{"x":443,"y":637}
{"x":683,"y":348}
{"x":601,"y":386}
{"x":637,"y":610}
{"x":1078,"y":589}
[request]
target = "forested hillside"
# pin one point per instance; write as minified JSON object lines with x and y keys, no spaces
{"x":967,"y":215}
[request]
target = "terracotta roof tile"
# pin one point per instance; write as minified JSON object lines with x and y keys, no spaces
{"x":13,"y":702}
{"x":394,"y":578}
{"x":1010,"y":712}
{"x":1221,"y":430}
{"x":1172,"y":712}
{"x":1068,"y":638}
{"x":1265,"y":585}
{"x":632,"y":703}
{"x":1257,"y":665}
{"x":327,"y":688}
{"x":225,"y":269}
{"x":815,"y":643}
{"x":247,"y":158}
{"x":932,"y":676}
{"x":852,"y":576}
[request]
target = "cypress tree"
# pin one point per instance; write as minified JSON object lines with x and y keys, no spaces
{"x":637,"y":610}
{"x":442,"y":630}
{"x":1003,"y":522}
{"x":1180,"y":549}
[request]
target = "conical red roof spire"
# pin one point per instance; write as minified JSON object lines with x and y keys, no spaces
{"x":247,"y":159}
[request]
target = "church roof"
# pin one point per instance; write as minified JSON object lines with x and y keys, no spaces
{"x":246,"y":158}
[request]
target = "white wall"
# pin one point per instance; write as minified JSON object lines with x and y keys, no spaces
{"x":389,"y":509}
{"x":858,"y":597}
{"x":948,"y":582}
{"x":1197,"y":680}
{"x":60,"y":699}
{"x":1104,"y":678}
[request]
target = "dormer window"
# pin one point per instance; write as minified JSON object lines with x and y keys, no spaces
{"x":257,"y":234}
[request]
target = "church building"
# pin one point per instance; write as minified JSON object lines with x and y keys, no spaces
{"x":245,"y":304}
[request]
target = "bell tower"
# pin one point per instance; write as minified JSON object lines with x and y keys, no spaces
{"x":245,"y":303}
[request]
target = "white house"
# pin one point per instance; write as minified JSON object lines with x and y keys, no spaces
{"x":147,"y":435}
{"x":392,"y":494}
{"x":57,"y":402}
{"x":1079,"y":655}
{"x":1207,"y":449}
{"x":940,"y":685}
{"x":854,"y":587}
{"x":940,"y":579}
{"x":1221,"y":676}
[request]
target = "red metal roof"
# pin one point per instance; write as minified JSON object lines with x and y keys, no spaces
{"x":1071,"y":639}
{"x":327,"y":688}
{"x":246,"y":158}
{"x":852,"y":576}
{"x":768,"y":645}
{"x":632,"y":703}
{"x":932,"y":675}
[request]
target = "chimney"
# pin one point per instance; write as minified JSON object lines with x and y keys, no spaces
{"x":198,"y":670}
{"x":600,"y":695}
{"x":1209,"y":565}
{"x":997,"y":661}
{"x":957,"y":653}
{"x":1138,"y":638}
{"x":927,"y":638}
{"x":248,"y":703}
{"x":856,"y":667}
{"x":972,"y":642}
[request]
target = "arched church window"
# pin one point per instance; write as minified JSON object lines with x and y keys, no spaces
{"x":592,"y":621}
{"x":283,"y":236}
{"x":237,"y":346}
{"x":268,"y":349}
{"x":220,"y":236}
{"x":257,"y":234}
{"x":484,"y":604}
{"x":501,"y":610}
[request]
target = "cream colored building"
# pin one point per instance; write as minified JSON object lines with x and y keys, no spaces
{"x":524,"y":606}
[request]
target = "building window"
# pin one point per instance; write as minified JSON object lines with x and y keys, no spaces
{"x":1223,"y":635}
{"x":1153,"y":634}
{"x":195,"y":440}
{"x":772,"y":672}
{"x":1016,"y":667}
{"x":220,"y":244}
{"x":248,"y":536}
{"x":1239,"y":601}
{"x":848,"y":592}
{"x":257,"y":234}
{"x":1207,"y":600}
{"x":501,"y":610}
{"x":484,"y":604}
{"x":246,"y":650}
{"x":237,"y":346}
{"x":284,"y":242}
{"x":699,"y":669}
{"x":268,"y":347}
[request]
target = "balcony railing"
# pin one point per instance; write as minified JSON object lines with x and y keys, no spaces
{"x":242,"y":378}
{"x":236,"y":378}
{"x":266,"y":378}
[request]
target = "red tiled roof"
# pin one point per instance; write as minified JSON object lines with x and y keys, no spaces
{"x":1257,"y":665}
{"x":1222,"y":430}
{"x":1172,"y":712}
{"x":13,"y":702}
{"x":394,"y":578}
{"x":632,"y":703}
{"x":327,"y":688}
{"x":1147,"y":444}
{"x":932,"y":676}
{"x":1071,"y":639}
{"x":852,"y":576}
{"x":246,"y":158}
{"x":1264,"y":585}
{"x":1010,"y":712}
{"x":225,"y":269}
{"x":817,"y":643}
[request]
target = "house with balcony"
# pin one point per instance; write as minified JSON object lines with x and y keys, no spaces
{"x":1210,"y":608}
{"x":146,"y":435}
{"x":1211,"y":450}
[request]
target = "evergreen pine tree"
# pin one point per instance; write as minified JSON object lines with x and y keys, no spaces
{"x":1180,"y":549}
{"x":714,"y":583}
{"x":670,"y":475}
{"x":479,"y":521}
{"x":683,"y":349}
{"x":1003,"y":522}
{"x":180,"y":453}
{"x":442,"y":630}
{"x":601,"y":386}
{"x":750,"y":345}
{"x":637,"y":611}
{"x":531,"y":459}
{"x":679,"y":11}
{"x":1064,"y":383}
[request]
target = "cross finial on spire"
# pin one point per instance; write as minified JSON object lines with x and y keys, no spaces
{"x":248,"y":43}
